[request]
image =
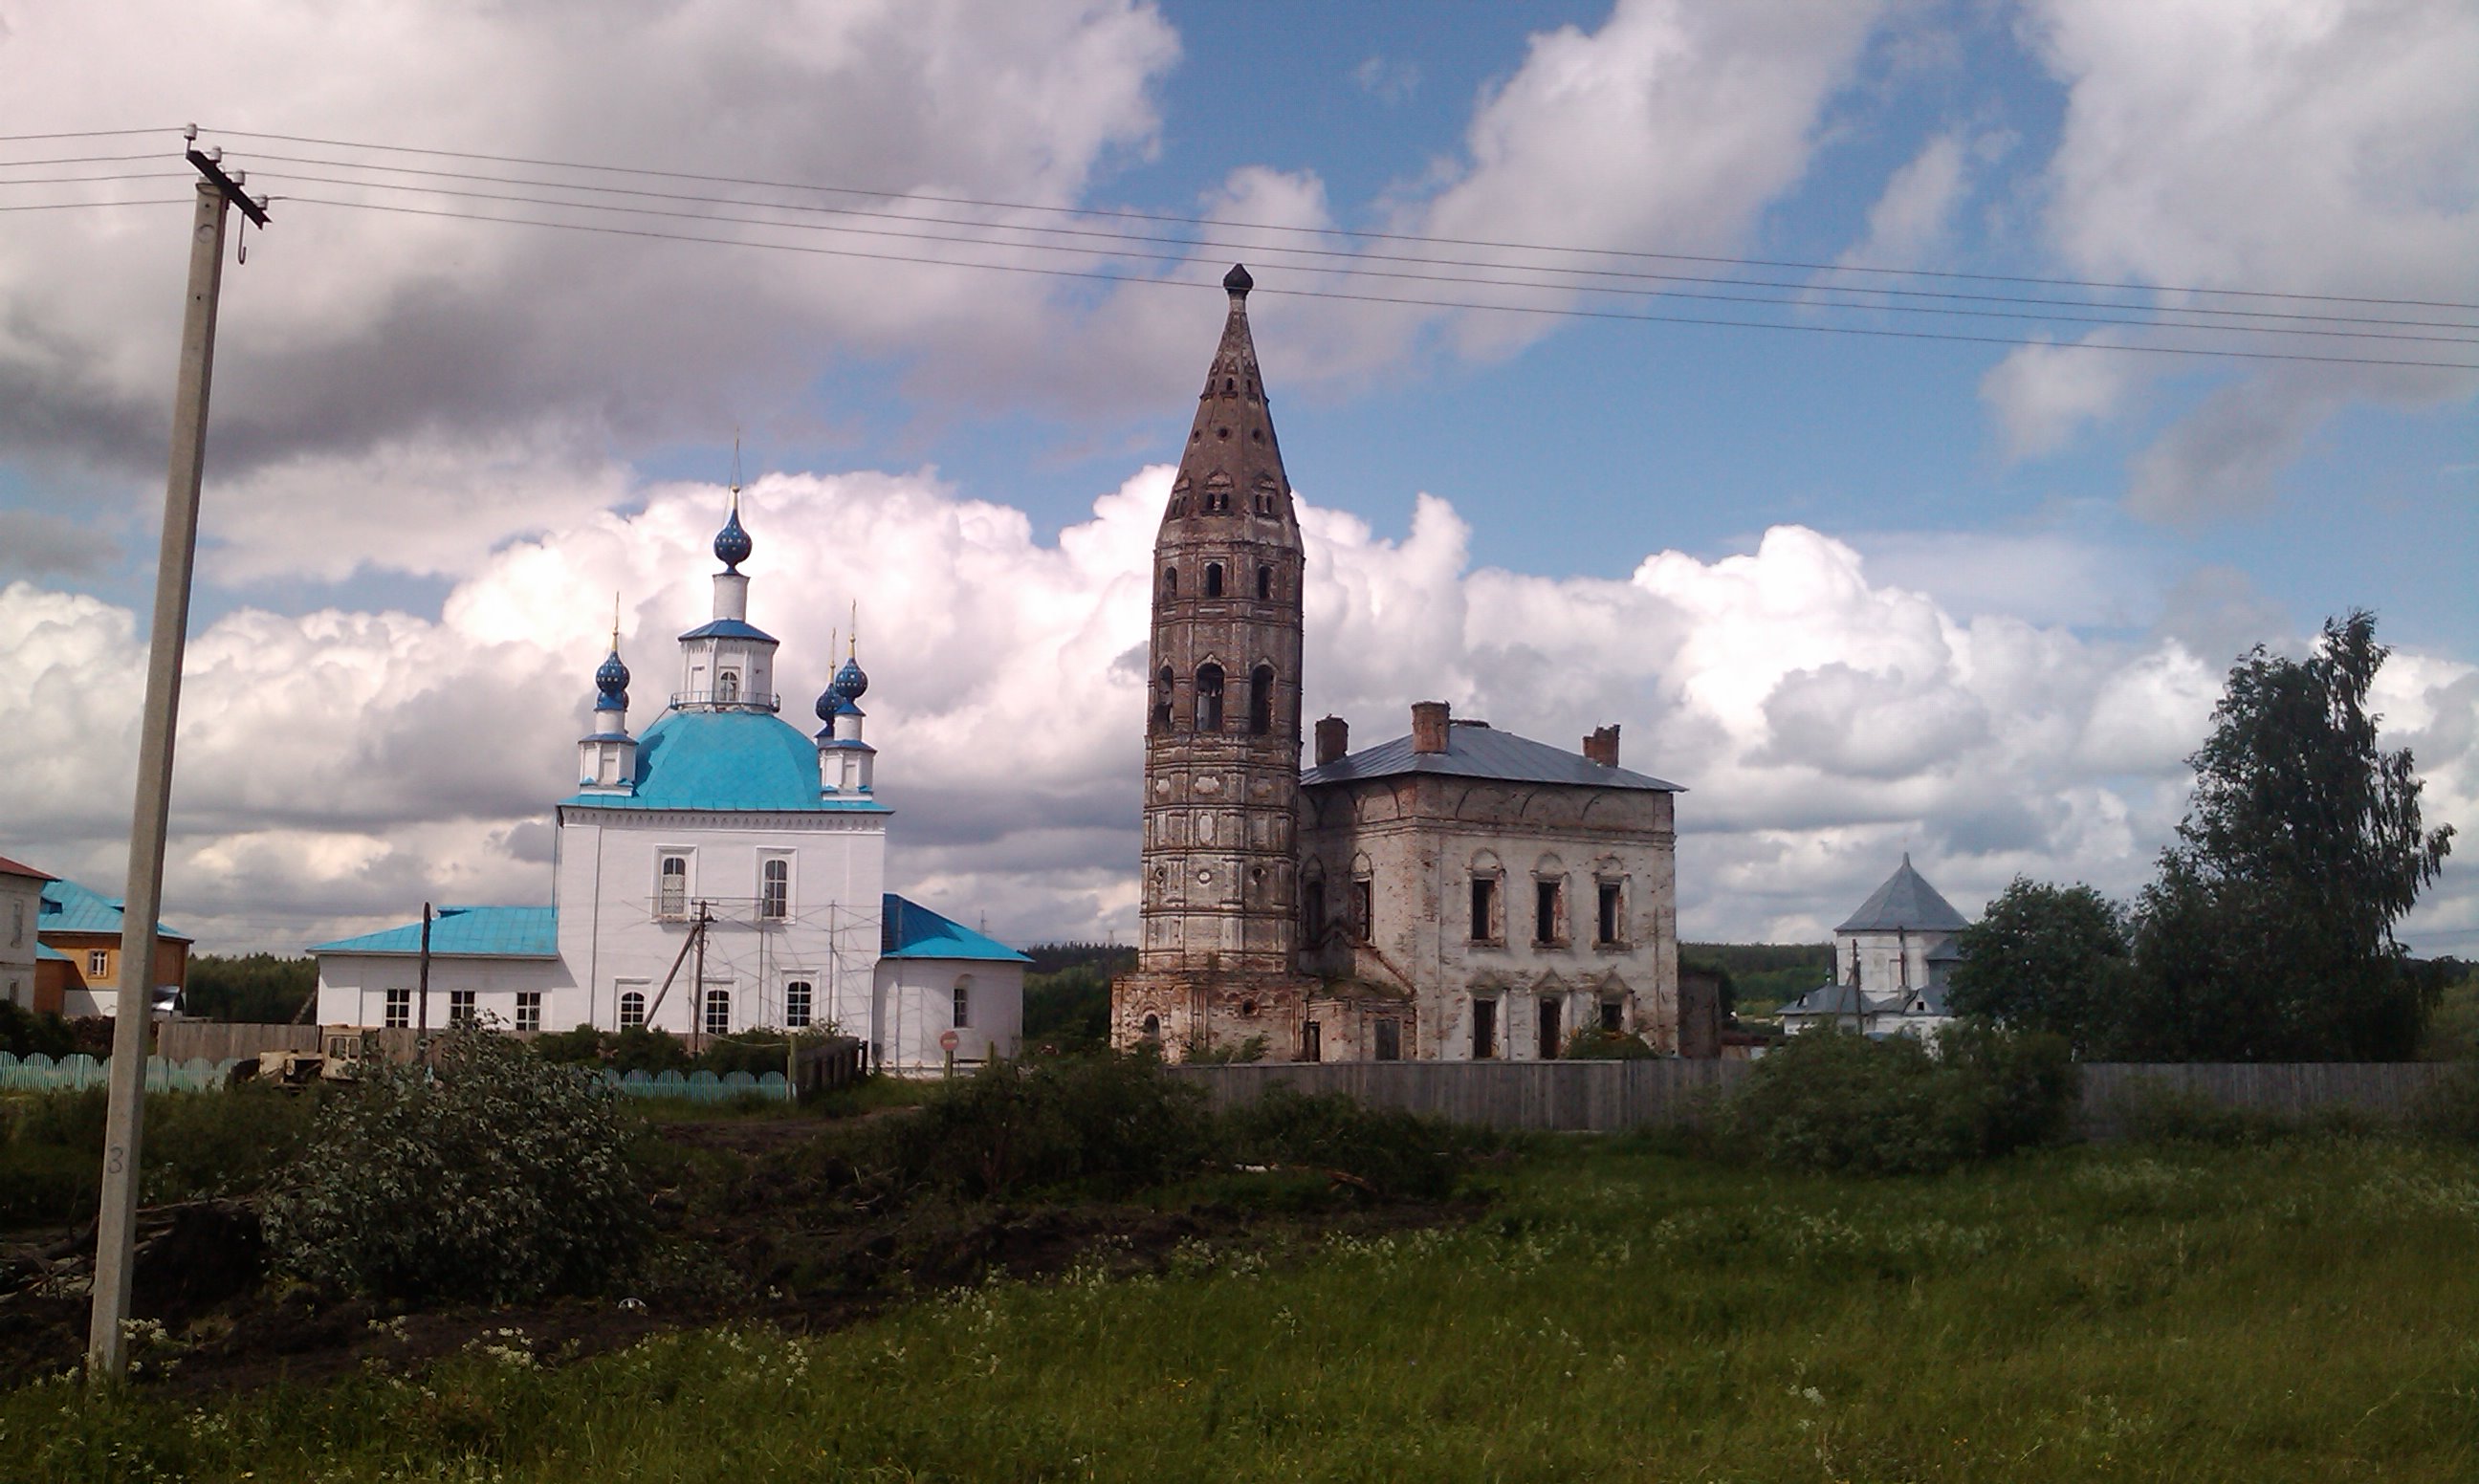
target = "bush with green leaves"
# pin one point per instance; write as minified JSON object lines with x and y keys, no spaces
{"x":1829,"y":1100}
{"x":1592,"y":1044}
{"x":1387,"y":1151}
{"x":1105,"y":1124}
{"x":490,"y":1175}
{"x":25,"y":1034}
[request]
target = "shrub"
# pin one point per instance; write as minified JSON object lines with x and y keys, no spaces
{"x":492,"y":1176}
{"x":1105,"y":1122}
{"x":196,"y":1144}
{"x":1592,"y":1043}
{"x":636,"y":1049}
{"x":1388,"y":1151}
{"x":580,"y":1047}
{"x":1828,"y":1100}
{"x":2450,"y":1109}
{"x":1213,"y":1053}
{"x":25,"y":1033}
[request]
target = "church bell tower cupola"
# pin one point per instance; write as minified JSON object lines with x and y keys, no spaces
{"x":606,"y":757}
{"x":1223,"y":735}
{"x":845,"y":762}
{"x":726,"y":663}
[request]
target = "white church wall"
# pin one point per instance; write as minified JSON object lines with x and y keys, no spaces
{"x":354,"y":987}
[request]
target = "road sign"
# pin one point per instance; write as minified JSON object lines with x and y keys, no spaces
{"x":947,"y":1041}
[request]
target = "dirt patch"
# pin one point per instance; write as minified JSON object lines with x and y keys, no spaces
{"x":760,"y":1220}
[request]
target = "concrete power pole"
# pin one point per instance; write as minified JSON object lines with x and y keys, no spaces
{"x":117,"y":1225}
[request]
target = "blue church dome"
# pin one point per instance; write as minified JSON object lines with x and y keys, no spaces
{"x":612,"y":684}
{"x":830,"y":704}
{"x":851,"y":684}
{"x":731,"y":546}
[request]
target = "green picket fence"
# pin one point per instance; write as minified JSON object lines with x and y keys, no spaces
{"x":40,"y":1073}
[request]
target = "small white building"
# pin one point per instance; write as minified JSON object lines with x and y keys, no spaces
{"x":1892,"y":960}
{"x":21,"y":908}
{"x":717,"y":873}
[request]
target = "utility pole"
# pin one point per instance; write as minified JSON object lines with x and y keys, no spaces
{"x":422,"y":991}
{"x":696,"y":990}
{"x":107,"y":1351}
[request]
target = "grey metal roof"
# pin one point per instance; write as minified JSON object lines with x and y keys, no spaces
{"x":1838,"y":999}
{"x":1905,"y":902}
{"x":1478,"y":750}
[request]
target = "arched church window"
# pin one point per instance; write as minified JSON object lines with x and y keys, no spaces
{"x":1209,"y":698}
{"x":1260,"y":700}
{"x":1170,"y":582}
{"x":1153,"y":1030}
{"x":1164,"y":685}
{"x":633,"y":1008}
{"x":718,"y":1012}
{"x":1312,"y":909}
{"x":1212,"y":579}
{"x":775,"y":889}
{"x":672,"y":889}
{"x":796,"y":995}
{"x":964,"y":1001}
{"x":727,"y":686}
{"x":1264,"y":582}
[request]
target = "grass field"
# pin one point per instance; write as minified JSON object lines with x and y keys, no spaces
{"x":2303,"y":1311}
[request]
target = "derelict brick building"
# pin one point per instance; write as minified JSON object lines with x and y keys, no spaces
{"x":1461,"y":892}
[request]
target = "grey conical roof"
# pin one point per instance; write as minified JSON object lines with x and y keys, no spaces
{"x":1905,"y":902}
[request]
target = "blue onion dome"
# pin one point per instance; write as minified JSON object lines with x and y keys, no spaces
{"x":829,"y":705}
{"x":611,"y":682}
{"x":850,"y":682}
{"x":732,"y":545}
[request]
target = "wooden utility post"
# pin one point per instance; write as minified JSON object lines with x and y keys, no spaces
{"x":124,"y":1120}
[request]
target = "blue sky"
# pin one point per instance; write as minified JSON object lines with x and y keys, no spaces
{"x":1912,"y":586}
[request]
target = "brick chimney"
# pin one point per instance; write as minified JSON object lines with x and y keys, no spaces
{"x":1430,"y":720}
{"x":1602,"y":746}
{"x":1332,"y":739}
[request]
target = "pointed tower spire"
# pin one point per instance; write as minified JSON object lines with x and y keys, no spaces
{"x":606,"y":757}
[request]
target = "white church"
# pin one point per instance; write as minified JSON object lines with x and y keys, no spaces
{"x":717,"y":873}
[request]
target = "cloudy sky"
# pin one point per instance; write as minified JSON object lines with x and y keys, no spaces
{"x":1896,"y":417}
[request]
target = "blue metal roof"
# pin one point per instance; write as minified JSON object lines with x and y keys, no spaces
{"x":727,"y":760}
{"x":44,"y":950}
{"x":69,"y":908}
{"x":1478,"y":750}
{"x":1905,"y":903}
{"x":465,"y":933}
{"x":911,"y":930}
{"x":729,"y":628}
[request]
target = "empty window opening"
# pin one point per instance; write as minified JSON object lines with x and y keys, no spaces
{"x":1163,"y":684}
{"x":1209,"y":698}
{"x":671,"y":894}
{"x":1484,"y":1030}
{"x":1544,"y":912}
{"x":399,"y":1009}
{"x":460,"y":1007}
{"x":1614,"y":1015}
{"x":775,"y":889}
{"x":1549,"y":1035}
{"x":1260,"y":700}
{"x":1311,"y":1043}
{"x":1153,"y":1030}
{"x":528,"y":1009}
{"x":1312,"y":909}
{"x":1212,"y":579}
{"x":718,"y":1012}
{"x":1484,"y":909}
{"x":1364,"y":909}
{"x":1170,"y":582}
{"x":1389,"y":1040}
{"x":1264,"y":580}
{"x":1606,"y":926}
{"x":797,"y":997}
{"x":632,"y":1008}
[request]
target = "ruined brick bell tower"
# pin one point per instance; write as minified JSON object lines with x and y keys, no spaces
{"x":1218,"y":959}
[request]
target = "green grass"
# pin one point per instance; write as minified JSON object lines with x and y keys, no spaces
{"x":2303,"y":1311}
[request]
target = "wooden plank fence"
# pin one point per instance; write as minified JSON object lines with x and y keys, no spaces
{"x":1607,"y":1096}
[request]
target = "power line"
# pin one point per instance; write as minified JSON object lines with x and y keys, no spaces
{"x":1354,"y":260}
{"x":1343,"y":232}
{"x":1569,"y":312}
{"x":86,"y":134}
{"x":1802,"y":299}
{"x":78,"y":206}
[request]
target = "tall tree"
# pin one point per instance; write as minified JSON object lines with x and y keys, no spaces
{"x":2045,"y":958}
{"x":2270,"y":933}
